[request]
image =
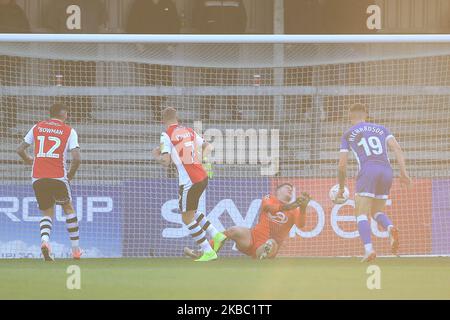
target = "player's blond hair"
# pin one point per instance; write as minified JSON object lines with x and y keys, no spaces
{"x":169,"y":114}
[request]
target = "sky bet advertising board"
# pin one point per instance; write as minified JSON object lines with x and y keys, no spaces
{"x":142,"y":219}
{"x":98,"y":215}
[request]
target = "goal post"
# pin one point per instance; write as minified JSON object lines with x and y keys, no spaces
{"x":273,"y":106}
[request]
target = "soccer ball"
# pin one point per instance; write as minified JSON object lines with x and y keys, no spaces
{"x":334,"y":191}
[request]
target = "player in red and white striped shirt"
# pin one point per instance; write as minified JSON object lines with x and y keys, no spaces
{"x":184,"y":147}
{"x":52,"y":140}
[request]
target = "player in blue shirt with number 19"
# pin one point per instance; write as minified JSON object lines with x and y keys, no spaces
{"x":369,"y":143}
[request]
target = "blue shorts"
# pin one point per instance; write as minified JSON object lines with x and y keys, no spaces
{"x":374,"y":180}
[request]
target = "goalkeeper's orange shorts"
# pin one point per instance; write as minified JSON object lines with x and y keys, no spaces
{"x":258,"y":239}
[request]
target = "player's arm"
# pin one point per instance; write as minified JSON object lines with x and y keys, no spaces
{"x":162,"y":153}
{"x":399,"y":155}
{"x":162,"y":158}
{"x":301,"y":203}
{"x":22,"y":152}
{"x":22,"y":148}
{"x":207,"y":148}
{"x":75,"y":154}
{"x":342,"y":171}
{"x":342,"y":167}
{"x":300,"y":218}
{"x":74,"y":163}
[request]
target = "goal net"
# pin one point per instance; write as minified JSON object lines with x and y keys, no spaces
{"x":274,"y":111}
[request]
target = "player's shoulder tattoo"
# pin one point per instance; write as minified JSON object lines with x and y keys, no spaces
{"x":266,"y":197}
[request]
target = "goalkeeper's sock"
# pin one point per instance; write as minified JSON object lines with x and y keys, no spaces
{"x":383,"y":220}
{"x":205,"y":224}
{"x":46,"y":228}
{"x":364,"y":232}
{"x":199,"y":236}
{"x":73,"y":229}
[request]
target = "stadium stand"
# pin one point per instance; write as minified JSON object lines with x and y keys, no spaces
{"x":119,"y":120}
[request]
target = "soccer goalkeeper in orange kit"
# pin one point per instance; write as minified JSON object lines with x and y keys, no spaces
{"x":277,"y":215}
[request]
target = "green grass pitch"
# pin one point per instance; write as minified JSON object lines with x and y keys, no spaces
{"x":240,"y":278}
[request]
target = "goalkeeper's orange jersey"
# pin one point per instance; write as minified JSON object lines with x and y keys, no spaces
{"x":273,"y":222}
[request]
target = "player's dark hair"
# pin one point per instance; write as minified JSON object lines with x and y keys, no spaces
{"x":56,"y":109}
{"x":359,"y":107}
{"x":284,"y":184}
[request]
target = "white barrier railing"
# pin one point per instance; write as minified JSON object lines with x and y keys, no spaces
{"x":190,"y":38}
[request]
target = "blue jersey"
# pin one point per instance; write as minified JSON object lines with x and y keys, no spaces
{"x":368,"y":142}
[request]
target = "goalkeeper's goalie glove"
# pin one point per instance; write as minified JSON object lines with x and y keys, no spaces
{"x":302,"y":201}
{"x":208,"y":168}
